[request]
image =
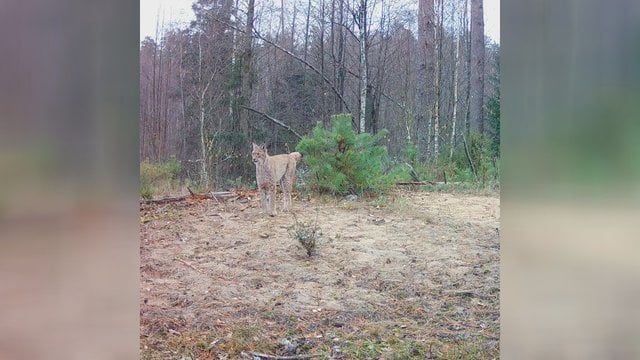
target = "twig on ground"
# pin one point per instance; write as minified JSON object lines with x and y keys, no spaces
{"x":189,"y":265}
{"x":164,"y":200}
{"x":471,"y":293}
{"x":276,"y":357}
{"x":415,"y":183}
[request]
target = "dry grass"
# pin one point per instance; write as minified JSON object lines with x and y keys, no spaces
{"x":413,"y":276}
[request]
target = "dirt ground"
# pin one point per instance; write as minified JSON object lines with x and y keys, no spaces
{"x":411,"y":275}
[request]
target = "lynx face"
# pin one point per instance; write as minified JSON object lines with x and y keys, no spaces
{"x":259,"y":154}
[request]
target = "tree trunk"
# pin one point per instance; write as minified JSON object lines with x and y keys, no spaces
{"x":323,"y":89}
{"x":306,"y":31}
{"x":341,"y":60}
{"x":381,"y":65}
{"x":183,"y":134}
{"x":477,"y":66}
{"x":467,"y":38}
{"x":293,"y":27}
{"x":246,"y":70}
{"x":204,"y":176}
{"x":362,"y":25}
{"x":280,"y":34}
{"x":438,"y":105}
{"x":154,"y":97}
{"x":455,"y":95}
{"x":426,"y":38}
{"x":332,"y":46}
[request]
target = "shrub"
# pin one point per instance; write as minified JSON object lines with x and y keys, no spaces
{"x":342,"y":162}
{"x":306,"y":234}
{"x":456,"y":168}
{"x":410,"y":153}
{"x":155,"y":177}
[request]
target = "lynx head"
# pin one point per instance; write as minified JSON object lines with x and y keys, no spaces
{"x":258,"y":154}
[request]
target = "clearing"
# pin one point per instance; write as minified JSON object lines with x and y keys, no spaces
{"x":409,"y":275}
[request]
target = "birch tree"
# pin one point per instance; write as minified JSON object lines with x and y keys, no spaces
{"x":454,"y":118}
{"x":364,"y":69}
{"x":438,"y":85}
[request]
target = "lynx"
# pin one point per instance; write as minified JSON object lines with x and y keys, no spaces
{"x":271,"y":170}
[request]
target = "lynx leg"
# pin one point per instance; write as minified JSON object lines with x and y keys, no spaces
{"x":272,"y":201}
{"x":285,"y":203}
{"x":263,"y":199}
{"x":269,"y":195}
{"x":287,"y":184}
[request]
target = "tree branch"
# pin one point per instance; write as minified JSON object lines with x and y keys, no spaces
{"x":274,"y":120}
{"x":257,"y":35}
{"x":348,"y":29}
{"x":398,"y":104}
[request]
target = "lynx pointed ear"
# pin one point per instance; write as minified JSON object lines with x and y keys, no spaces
{"x":254,"y":145}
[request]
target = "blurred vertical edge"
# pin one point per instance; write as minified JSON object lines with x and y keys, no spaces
{"x":69,"y":179}
{"x":570,"y":246}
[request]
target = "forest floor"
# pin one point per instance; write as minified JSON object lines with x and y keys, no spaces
{"x":411,"y":275}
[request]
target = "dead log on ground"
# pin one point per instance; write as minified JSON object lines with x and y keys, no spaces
{"x":218,"y":196}
{"x":253,"y":355}
{"x":427,"y":182}
{"x":165,"y":200}
{"x":416,"y":183}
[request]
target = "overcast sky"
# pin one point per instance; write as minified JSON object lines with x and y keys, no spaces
{"x":179,"y":11}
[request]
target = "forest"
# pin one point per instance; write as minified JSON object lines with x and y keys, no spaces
{"x":269,"y":71}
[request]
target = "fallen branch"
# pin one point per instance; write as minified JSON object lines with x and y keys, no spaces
{"x":165,"y":200}
{"x":416,"y":183}
{"x":470,"y":293}
{"x":275,"y":357}
{"x":413,"y":173}
{"x":189,"y":265}
{"x":217,"y":196}
{"x":428,"y":182}
{"x":223,"y":195}
{"x":196,"y":196}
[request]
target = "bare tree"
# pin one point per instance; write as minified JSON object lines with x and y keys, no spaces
{"x":426,"y":39}
{"x":204,"y":86}
{"x":246,"y":67}
{"x":438,"y":85}
{"x":364,"y":68}
{"x":457,"y":39}
{"x":477,"y":66}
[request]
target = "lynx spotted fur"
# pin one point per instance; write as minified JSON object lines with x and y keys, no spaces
{"x":271,"y":170}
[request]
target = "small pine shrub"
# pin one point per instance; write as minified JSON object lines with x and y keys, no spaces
{"x":342,"y":162}
{"x":306,"y":234}
{"x":410,"y":153}
{"x":146,"y":189}
{"x":464,"y":175}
